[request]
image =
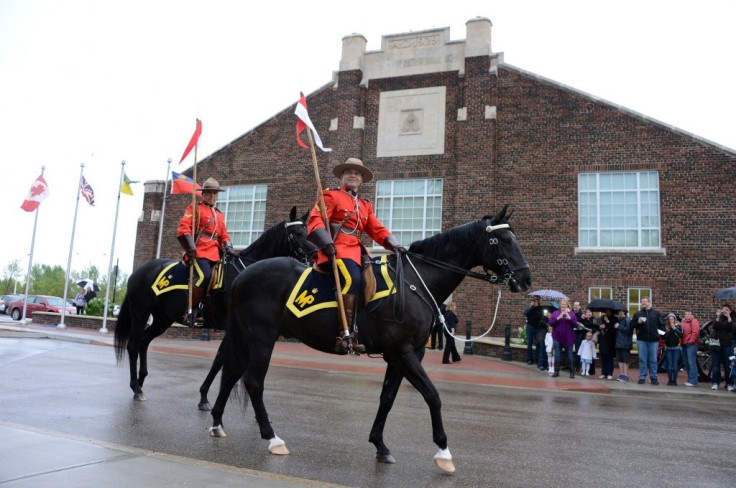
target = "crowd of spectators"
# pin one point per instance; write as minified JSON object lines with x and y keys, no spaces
{"x":609,"y":336}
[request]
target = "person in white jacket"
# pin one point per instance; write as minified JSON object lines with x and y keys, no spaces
{"x":549,"y":346}
{"x":587,"y":353}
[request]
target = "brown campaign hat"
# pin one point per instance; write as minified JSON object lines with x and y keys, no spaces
{"x":353,"y":163}
{"x":211,"y":184}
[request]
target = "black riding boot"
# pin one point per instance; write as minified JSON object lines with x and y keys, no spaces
{"x":197,"y":295}
{"x":346,"y":343}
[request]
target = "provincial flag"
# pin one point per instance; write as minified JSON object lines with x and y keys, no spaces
{"x":303,"y":122}
{"x":182,"y":184}
{"x":38,"y":192}
{"x":87,"y":192}
{"x":125,"y":187}
{"x":193,"y":141}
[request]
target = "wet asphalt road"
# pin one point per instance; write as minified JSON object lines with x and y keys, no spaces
{"x":498,"y":436}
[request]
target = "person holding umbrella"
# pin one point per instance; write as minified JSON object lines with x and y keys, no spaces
{"x":563,"y":322}
{"x":80,"y":301}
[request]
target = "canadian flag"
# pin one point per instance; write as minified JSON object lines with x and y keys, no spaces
{"x":38,"y":192}
{"x":303,"y":122}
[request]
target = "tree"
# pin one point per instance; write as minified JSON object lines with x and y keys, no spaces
{"x":11,"y":273}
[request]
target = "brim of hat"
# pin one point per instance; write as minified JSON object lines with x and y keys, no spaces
{"x":210,"y":189}
{"x":340,"y":168}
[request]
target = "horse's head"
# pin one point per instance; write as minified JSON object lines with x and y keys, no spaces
{"x":296,"y":231}
{"x":502,"y":253}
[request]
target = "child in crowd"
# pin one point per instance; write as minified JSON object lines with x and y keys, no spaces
{"x":587,"y":353}
{"x":550,"y":348}
{"x":673,"y":351}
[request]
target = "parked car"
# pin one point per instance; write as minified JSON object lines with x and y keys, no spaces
{"x":37,"y":303}
{"x":6,"y":299}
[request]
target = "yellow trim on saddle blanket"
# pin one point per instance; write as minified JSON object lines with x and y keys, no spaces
{"x":390,"y":288}
{"x":301,"y":302}
{"x":162,"y":283}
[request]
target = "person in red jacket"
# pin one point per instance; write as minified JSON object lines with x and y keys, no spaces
{"x":211,"y":238}
{"x":350,"y":217}
{"x":690,"y":334}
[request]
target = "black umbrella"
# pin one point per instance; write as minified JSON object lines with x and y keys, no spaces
{"x":601,"y":304}
{"x":725,"y":294}
{"x":619,"y":306}
{"x":88,"y":284}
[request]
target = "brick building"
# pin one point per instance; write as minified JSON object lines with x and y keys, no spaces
{"x":607,"y":202}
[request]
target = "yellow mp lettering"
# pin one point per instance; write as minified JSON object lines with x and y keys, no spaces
{"x":303,"y":300}
{"x":162,"y":283}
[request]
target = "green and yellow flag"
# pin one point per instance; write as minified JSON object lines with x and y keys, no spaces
{"x":125,"y":187}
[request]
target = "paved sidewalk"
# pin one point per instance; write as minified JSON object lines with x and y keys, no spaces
{"x":473,"y":369}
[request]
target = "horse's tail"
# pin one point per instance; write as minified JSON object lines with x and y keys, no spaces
{"x":122,"y":329}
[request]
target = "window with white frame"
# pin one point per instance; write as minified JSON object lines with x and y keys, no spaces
{"x":619,"y":210}
{"x":595,"y":292}
{"x":635,"y":296}
{"x":245,"y":212}
{"x":411,"y":209}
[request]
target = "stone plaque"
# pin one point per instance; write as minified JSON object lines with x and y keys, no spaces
{"x":411,"y":122}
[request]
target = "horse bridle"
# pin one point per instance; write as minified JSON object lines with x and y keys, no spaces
{"x":295,"y":250}
{"x":503,"y":262}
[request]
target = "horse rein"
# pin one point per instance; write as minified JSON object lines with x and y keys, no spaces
{"x":491,"y":278}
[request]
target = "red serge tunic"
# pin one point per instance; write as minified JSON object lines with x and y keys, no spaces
{"x":356,"y":216}
{"x":211,"y":230}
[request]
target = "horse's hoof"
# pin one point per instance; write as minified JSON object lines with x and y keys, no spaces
{"x":443,"y":460}
{"x":204,"y":406}
{"x":277,"y":446}
{"x":217,"y":431}
{"x":385,"y":458}
{"x":139,"y":397}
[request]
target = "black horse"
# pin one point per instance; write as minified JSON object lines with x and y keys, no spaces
{"x":396,"y":326}
{"x":287,"y":238}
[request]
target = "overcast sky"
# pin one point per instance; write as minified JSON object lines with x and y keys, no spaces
{"x":98,"y":82}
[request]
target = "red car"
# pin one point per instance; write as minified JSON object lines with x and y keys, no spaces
{"x":37,"y":303}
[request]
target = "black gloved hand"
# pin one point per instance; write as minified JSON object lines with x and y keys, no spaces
{"x":230,"y":250}
{"x":392,"y":244}
{"x":329,"y":250}
{"x":191,"y":256}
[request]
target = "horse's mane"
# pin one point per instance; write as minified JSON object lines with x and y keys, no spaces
{"x":270,"y":233}
{"x":456,"y":238}
{"x":275,"y":233}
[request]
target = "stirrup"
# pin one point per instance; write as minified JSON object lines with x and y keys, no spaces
{"x":344,"y":344}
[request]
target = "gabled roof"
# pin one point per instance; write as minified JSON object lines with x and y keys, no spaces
{"x":620,"y":108}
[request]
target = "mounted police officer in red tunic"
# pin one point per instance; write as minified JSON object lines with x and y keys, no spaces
{"x":211,"y":238}
{"x":350,"y":216}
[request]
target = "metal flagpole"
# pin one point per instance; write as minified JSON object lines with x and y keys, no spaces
{"x":62,"y":325}
{"x":30,"y":261}
{"x":163,"y":209}
{"x":104,"y":330}
{"x":323,"y":211}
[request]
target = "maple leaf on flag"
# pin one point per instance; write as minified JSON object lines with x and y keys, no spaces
{"x":38,"y":192}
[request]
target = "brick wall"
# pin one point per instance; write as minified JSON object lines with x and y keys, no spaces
{"x":95,"y":323}
{"x":529,"y":157}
